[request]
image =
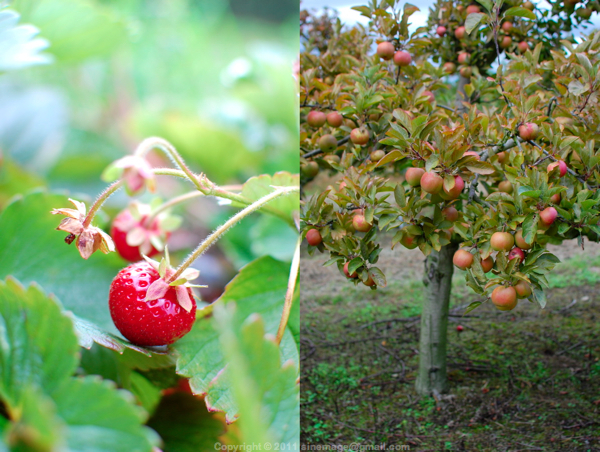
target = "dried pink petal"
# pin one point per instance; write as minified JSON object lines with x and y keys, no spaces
{"x":157,"y":290}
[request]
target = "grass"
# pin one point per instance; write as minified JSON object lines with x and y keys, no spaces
{"x":524,"y":380}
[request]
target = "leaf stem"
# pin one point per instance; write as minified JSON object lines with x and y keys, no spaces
{"x":216,"y":235}
{"x":289,"y":295}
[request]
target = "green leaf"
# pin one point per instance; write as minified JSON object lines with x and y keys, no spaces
{"x":259,"y":287}
{"x":20,"y":47}
{"x":30,"y":353}
{"x":473,"y":306}
{"x":88,"y":333}
{"x":487,"y":4}
{"x":473,"y":21}
{"x":101,"y":418}
{"x":260,"y":186}
{"x":266,"y":391}
{"x":479,"y":167}
{"x":147,"y":394}
{"x":32,"y":250}
{"x":185,"y":425}
{"x":539,"y":296}
{"x":519,"y":12}
{"x":76,"y":29}
{"x":530,"y":228}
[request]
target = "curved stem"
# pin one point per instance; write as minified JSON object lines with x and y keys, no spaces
{"x":222,"y":192}
{"x":289,"y":295}
{"x":100,"y":200}
{"x":155,"y":142}
{"x":216,"y":235}
{"x":171,"y":203}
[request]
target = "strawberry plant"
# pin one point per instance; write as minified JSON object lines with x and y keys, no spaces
{"x":160,"y":314}
{"x":479,"y":169}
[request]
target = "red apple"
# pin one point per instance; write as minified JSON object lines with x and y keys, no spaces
{"x":466,"y":71}
{"x":502,"y":241}
{"x":347,"y":273}
{"x":520,"y":241}
{"x":402,"y":58}
{"x":523,"y":289}
{"x":316,"y":118}
{"x":523,"y":46}
{"x":459,"y":185}
{"x":377,"y":155}
{"x":431,"y":182}
{"x":505,"y":42}
{"x":462,"y":259}
{"x":327,"y":143}
{"x":430,"y":95}
{"x":463,"y":57}
{"x":487,"y":264}
{"x":360,"y":223}
{"x":413,"y":176}
{"x":450,"y":213}
{"x":507,"y":26}
{"x":529,"y":131}
{"x":548,"y":215}
{"x":459,"y":328}
{"x":561,"y":165}
{"x":409,"y":242}
{"x":334,"y":119}
{"x":504,"y":298}
{"x":449,"y":68}
{"x":386,"y":50}
{"x":472,"y":9}
{"x":441,"y":31}
{"x":460,"y":32}
{"x":359,"y":136}
{"x":516,"y":253}
{"x":313,"y":237}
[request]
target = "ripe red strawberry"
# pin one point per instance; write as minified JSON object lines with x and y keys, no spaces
{"x":133,"y":237}
{"x":161,"y":321}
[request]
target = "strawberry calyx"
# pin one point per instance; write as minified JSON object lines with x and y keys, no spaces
{"x":159,"y":288}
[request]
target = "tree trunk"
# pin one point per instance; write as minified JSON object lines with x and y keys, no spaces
{"x":434,"y":321}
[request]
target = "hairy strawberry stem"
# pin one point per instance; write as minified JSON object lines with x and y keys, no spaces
{"x":180,"y":199}
{"x":216,"y":235}
{"x":100,"y":200}
{"x":155,"y":142}
{"x":289,"y":295}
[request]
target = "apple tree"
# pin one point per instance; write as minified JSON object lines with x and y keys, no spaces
{"x":472,"y":138}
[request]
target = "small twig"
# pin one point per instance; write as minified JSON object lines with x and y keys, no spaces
{"x":578,"y":344}
{"x":319,"y":151}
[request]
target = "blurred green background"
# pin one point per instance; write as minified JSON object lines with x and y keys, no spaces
{"x":214,"y":77}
